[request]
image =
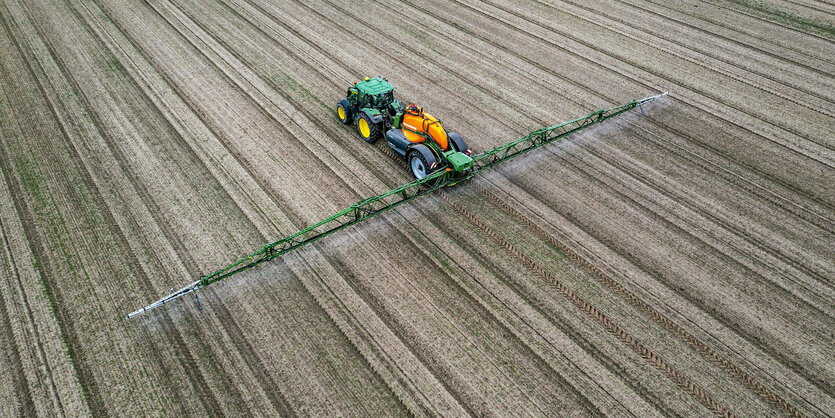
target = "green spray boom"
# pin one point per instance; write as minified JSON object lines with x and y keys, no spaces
{"x":378,"y":204}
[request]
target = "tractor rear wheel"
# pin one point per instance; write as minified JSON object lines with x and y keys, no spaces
{"x":369,"y":131}
{"x":421,"y":163}
{"x":344,"y":111}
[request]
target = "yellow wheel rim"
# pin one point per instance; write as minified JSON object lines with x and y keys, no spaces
{"x":341,"y":112}
{"x":364,"y":129}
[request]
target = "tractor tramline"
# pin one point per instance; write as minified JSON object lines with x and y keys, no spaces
{"x":437,"y":159}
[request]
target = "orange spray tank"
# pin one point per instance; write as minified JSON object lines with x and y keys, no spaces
{"x":417,"y":125}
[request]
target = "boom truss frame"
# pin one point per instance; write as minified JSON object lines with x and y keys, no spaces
{"x":378,"y":204}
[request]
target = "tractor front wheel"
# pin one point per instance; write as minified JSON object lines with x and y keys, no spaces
{"x":369,"y":131}
{"x":344,"y":111}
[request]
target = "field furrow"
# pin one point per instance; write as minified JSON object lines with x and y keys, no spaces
{"x":676,"y":261}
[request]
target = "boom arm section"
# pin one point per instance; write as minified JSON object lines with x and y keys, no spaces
{"x":544,"y":136}
{"x":378,"y":204}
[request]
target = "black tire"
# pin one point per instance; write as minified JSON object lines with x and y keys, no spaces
{"x":373,"y":131}
{"x":458,"y":143}
{"x":422,"y":161}
{"x":347,"y":111}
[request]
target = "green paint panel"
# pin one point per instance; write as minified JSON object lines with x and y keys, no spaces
{"x":460,"y":162}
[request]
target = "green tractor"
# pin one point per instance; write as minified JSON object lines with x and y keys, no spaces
{"x":413,"y":134}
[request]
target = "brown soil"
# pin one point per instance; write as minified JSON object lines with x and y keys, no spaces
{"x":678,"y":263}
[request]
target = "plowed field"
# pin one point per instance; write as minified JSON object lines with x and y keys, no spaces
{"x":678,"y":263}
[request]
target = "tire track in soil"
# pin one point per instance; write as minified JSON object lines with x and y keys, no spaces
{"x":255,"y":367}
{"x":33,"y":328}
{"x":18,"y":375}
{"x":411,"y":247}
{"x":577,"y":337}
{"x":340,"y":264}
{"x":507,"y":328}
{"x":191,"y":108}
{"x":289,"y":99}
{"x":645,"y":308}
{"x":747,"y":335}
{"x":388,"y":323}
{"x":759,"y":38}
{"x":320,"y":15}
{"x":28,"y":228}
{"x":648,"y":70}
{"x":609,"y":362}
{"x":298,"y":221}
{"x":680,"y":22}
{"x":635,"y":345}
{"x":663,"y":126}
{"x":706,"y":66}
{"x":424,"y":258}
{"x":427,"y":78}
{"x":653,"y":273}
{"x":190,"y":366}
{"x":26,"y":406}
{"x":749,"y":238}
{"x":790,"y":262}
{"x":773,"y":22}
{"x":295,"y":216}
{"x":65,"y":323}
{"x":814,"y":216}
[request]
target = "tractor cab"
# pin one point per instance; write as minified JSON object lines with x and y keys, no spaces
{"x":374,"y":93}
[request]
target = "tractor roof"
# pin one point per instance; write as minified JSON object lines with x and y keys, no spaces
{"x":374,"y":86}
